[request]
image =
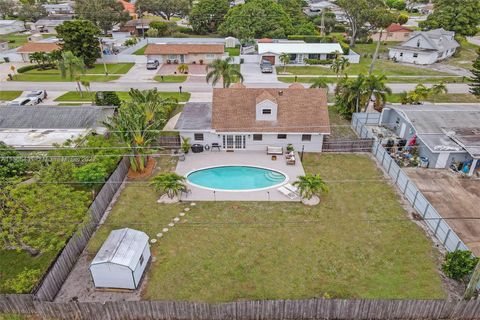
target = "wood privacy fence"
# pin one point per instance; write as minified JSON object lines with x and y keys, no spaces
{"x":169,"y":142}
{"x":360,"y":145}
{"x":59,"y":271}
{"x":244,"y":310}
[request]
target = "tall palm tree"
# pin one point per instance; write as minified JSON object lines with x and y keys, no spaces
{"x":169,"y":183}
{"x":225,"y":70}
{"x":320,"y":83}
{"x":339,"y":65}
{"x":70,"y":66}
{"x":376,"y":88}
{"x":350,"y":95}
{"x":438,"y":88}
{"x":284,"y":58}
{"x":310,"y":185}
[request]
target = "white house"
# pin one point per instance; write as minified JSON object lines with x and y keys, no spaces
{"x":122,"y":260}
{"x":254,"y":119}
{"x":426,"y":47}
{"x":11,"y":26}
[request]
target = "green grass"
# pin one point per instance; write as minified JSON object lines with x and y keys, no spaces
{"x":112,"y":68}
{"x":448,"y":79}
{"x":356,"y":244}
{"x":12,"y":263}
{"x":75,"y":96}
{"x":340,"y":127}
{"x":46,"y":77}
{"x":171,"y":78}
{"x":464,"y":56}
{"x":9,"y":95}
{"x":445,"y":98}
{"x":233,"y":52}
{"x":141,"y":51}
{"x":15,"y":40}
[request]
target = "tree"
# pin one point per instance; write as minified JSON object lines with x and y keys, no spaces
{"x":257,"y":19}
{"x":7,"y":8}
{"x":402,"y":18}
{"x":284,"y":58}
{"x":436,"y":89}
{"x":40,"y":58}
{"x":225,"y":70}
{"x":169,"y":183}
{"x":91,"y":175}
{"x":350,"y":95}
{"x":396,"y":4}
{"x":81,"y":38}
{"x":11,"y":165}
{"x":207,"y":15}
{"x":139,"y":122}
{"x":416,"y":96}
{"x":103,"y":13}
{"x":339,"y":65}
{"x":459,"y":264}
{"x":164,"y":8}
{"x":380,"y":20}
{"x":475,"y":79}
{"x":329,"y":21}
{"x":461,"y":16}
{"x":163,"y":27}
{"x":31,"y":12}
{"x":39,"y":218}
{"x":70,"y":66}
{"x":320,"y":83}
{"x":310,"y":185}
{"x":301,"y":24}
{"x":376,"y":89}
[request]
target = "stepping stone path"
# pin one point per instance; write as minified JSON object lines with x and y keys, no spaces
{"x":182,"y":214}
{"x":176,"y":219}
{"x":172,"y":224}
{"x":186,"y":209}
{"x":159,"y":235}
{"x":165,"y":230}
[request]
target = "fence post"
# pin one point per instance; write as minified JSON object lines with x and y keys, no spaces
{"x":438,"y":225}
{"x":415,"y":199}
{"x":458,"y":245}
{"x":390,"y":165}
{"x":426,"y":209}
{"x":398,"y":175}
{"x":366,"y":120}
{"x":383,"y":158}
{"x":446,"y":237}
{"x":376,"y":150}
{"x":406,"y":186}
{"x":356,"y":123}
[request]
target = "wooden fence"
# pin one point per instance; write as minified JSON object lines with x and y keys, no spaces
{"x":352,"y":145}
{"x":244,"y":310}
{"x":169,"y":142}
{"x":60,"y":269}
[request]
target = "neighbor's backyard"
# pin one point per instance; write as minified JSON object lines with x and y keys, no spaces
{"x":358,"y":243}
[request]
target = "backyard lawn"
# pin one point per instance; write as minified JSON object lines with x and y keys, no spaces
{"x":442,"y":98}
{"x":340,"y":127}
{"x":233,"y":52}
{"x":390,"y":79}
{"x":356,"y":244}
{"x":171,"y":78}
{"x":123,"y":95}
{"x":9,"y":95}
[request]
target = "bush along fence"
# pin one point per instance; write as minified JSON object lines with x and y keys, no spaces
{"x":59,"y":271}
{"x":245,"y":310}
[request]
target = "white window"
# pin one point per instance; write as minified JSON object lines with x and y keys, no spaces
{"x":172,"y":56}
{"x":198,"y":136}
{"x":306,"y":137}
{"x":281,"y":136}
{"x":257,"y":137}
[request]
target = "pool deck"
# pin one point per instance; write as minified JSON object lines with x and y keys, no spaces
{"x":196,"y":161}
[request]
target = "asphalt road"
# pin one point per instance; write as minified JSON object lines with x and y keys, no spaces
{"x":186,"y":87}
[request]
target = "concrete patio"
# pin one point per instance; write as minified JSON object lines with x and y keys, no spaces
{"x":196,"y":161}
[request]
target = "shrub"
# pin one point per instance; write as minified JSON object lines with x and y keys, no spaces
{"x":345,"y":47}
{"x":28,"y":68}
{"x":339,"y":28}
{"x":459,"y":264}
{"x":179,"y":35}
{"x":186,"y":30}
{"x":10,"y":166}
{"x":130,"y":42}
{"x":24,"y":282}
{"x":162,"y":27}
{"x":107,"y":98}
{"x":311,"y":38}
{"x":318,"y":61}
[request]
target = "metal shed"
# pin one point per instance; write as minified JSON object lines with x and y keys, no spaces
{"x":121,"y":261}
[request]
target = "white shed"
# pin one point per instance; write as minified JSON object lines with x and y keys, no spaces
{"x":121,"y":261}
{"x":230,"y":42}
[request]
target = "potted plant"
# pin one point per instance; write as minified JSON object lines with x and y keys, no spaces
{"x":169,"y":61}
{"x":170,"y":185}
{"x":310,"y":186}
{"x":201,"y":61}
{"x":175,"y":61}
{"x":186,"y":144}
{"x":290,"y":148}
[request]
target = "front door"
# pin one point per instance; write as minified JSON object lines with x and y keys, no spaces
{"x":182,"y":58}
{"x":231,"y":141}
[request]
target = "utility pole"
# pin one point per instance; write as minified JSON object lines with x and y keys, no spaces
{"x":472,"y":284}
{"x":103,"y":58}
{"x":322,"y":25}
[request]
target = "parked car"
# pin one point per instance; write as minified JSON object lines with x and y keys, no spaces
{"x":152,"y":64}
{"x":41,"y":94}
{"x":25,"y":101}
{"x":266,"y":66}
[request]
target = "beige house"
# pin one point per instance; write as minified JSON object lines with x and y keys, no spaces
{"x":185,"y":53}
{"x":31,"y":47}
{"x":394,"y":32}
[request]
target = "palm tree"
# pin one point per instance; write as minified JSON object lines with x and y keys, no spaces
{"x":284,"y":58}
{"x":223,"y":69}
{"x":320,"y":83}
{"x":339,"y":65}
{"x":310,"y":185}
{"x":70,"y":66}
{"x":169,"y":183}
{"x":182,"y":68}
{"x":420,"y":93}
{"x":436,"y":89}
{"x":376,"y":87}
{"x":86,"y":85}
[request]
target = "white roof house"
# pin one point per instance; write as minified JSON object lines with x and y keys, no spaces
{"x":122,"y":260}
{"x":299,"y":51}
{"x":11,"y":26}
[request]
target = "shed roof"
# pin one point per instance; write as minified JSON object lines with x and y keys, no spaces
{"x":296,"y":47}
{"x":395,"y":27}
{"x":123,"y":247}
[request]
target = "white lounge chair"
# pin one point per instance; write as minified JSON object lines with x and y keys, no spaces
{"x":291,"y":188}
{"x":288,"y":193}
{"x":275,"y":150}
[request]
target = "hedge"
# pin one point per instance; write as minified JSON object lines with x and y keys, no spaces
{"x":311,"y":39}
{"x":35,"y":67}
{"x":318,"y":61}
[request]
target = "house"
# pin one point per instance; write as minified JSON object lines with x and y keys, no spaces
{"x":252,"y":119}
{"x":121,"y":261}
{"x":445,"y":134}
{"x":43,"y":127}
{"x":3,"y":45}
{"x":130,"y":8}
{"x":425,"y":47}
{"x":31,"y":47}
{"x":11,"y":26}
{"x":136,"y":27}
{"x":185,"y":52}
{"x":48,"y":25}
{"x":299,"y":51}
{"x":394,"y":32}
{"x":59,"y":8}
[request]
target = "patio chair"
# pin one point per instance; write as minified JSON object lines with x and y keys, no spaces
{"x":289,"y":155}
{"x":291,"y":161}
{"x":215,"y":146}
{"x":291,"y":195}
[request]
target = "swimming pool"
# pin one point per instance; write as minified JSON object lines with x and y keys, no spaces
{"x":236,"y":178}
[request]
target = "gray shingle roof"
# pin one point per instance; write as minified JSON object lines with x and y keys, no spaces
{"x":440,"y":39}
{"x":53,"y":117}
{"x":195,"y":116}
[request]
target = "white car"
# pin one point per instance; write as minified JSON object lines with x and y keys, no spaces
{"x":41,"y":94}
{"x":25,"y":101}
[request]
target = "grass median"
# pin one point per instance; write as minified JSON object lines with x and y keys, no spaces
{"x":123,"y":95}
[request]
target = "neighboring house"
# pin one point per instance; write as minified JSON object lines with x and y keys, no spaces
{"x":11,"y":26}
{"x":59,"y":8}
{"x":426,"y":47}
{"x":48,"y":25}
{"x":130,"y":8}
{"x":299,"y":51}
{"x":185,"y":52}
{"x":445,"y":133}
{"x":252,"y":119}
{"x":3,"y":45}
{"x":31,"y":47}
{"x":136,"y":27}
{"x":43,"y":127}
{"x":121,"y":261}
{"x":394,"y":32}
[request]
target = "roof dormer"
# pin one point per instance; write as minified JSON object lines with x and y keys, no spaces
{"x":266,"y":108}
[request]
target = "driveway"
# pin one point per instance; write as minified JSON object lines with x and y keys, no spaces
{"x":252,"y":74}
{"x":138,"y":73}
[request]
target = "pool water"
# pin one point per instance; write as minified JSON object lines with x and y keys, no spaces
{"x":236,"y":178}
